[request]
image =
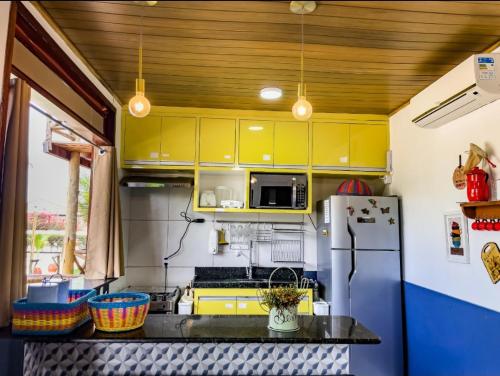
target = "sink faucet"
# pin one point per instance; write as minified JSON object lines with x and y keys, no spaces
{"x":249,"y":267}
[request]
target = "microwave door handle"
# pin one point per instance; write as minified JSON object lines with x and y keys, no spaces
{"x":294,"y":195}
{"x":272,"y":197}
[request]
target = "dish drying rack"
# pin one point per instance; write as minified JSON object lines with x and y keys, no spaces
{"x":286,"y":239}
{"x":287,"y":244}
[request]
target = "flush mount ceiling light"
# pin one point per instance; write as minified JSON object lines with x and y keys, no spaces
{"x":271,"y":93}
{"x":139,"y":105}
{"x":302,"y":109}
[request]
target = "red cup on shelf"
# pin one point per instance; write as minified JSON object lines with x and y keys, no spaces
{"x":489,"y":226}
{"x":474,"y":225}
{"x":496,"y":226}
{"x":481,"y":226}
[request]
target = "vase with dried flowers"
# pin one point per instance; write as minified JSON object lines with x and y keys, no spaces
{"x":282,"y":303}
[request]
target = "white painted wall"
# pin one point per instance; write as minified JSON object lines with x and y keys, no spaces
{"x":424,"y":160}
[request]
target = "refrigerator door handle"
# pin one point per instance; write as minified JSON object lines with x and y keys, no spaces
{"x":353,"y":253}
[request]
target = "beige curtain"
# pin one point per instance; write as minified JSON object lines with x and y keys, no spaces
{"x":13,"y":200}
{"x":104,"y":239}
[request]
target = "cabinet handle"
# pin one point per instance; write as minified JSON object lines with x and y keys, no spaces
{"x":266,"y":157}
{"x":229,"y":306}
{"x":242,"y":305}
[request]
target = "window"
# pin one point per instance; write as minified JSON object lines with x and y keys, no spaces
{"x":50,"y":147}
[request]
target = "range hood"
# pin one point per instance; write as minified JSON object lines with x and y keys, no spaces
{"x":175,"y":180}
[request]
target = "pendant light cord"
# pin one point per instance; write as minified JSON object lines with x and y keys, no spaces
{"x":140,"y":50}
{"x":302,"y":54}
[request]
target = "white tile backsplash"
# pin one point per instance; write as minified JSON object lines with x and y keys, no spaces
{"x":154,"y":276}
{"x":179,"y":198}
{"x":228,"y":257}
{"x":194,"y":251}
{"x":147,"y":243}
{"x":149,"y":204}
{"x":155,"y":227}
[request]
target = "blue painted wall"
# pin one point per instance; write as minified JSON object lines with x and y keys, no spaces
{"x":450,"y":337}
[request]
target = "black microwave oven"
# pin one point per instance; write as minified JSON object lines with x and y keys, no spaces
{"x":278,"y":191}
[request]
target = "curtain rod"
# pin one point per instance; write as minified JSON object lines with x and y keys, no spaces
{"x":43,"y":112}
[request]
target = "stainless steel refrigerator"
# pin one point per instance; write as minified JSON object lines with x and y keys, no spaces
{"x":359,"y":273}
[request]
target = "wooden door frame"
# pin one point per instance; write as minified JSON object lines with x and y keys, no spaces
{"x":24,"y":27}
{"x":9,"y":48}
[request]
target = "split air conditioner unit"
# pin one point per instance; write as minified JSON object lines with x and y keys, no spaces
{"x":467,"y":87}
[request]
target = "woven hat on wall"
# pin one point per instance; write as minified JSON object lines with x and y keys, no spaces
{"x":354,"y":187}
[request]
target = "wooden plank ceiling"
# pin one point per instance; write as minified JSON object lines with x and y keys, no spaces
{"x":360,"y":56}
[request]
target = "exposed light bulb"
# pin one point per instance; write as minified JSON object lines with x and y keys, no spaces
{"x":302,"y":109}
{"x":139,"y":106}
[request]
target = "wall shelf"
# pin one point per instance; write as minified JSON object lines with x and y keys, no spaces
{"x":481,"y":209}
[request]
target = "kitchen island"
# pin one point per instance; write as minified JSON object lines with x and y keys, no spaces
{"x":194,"y":344}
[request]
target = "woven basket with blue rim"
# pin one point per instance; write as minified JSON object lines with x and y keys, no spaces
{"x":51,"y":318}
{"x":119,"y":312}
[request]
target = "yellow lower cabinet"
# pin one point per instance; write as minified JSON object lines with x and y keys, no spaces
{"x":305,"y":306}
{"x":216,"y":305}
{"x":249,"y":305}
{"x":229,"y":301}
{"x":368,"y":146}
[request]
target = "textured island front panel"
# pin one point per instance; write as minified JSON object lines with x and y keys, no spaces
{"x":102,"y":358}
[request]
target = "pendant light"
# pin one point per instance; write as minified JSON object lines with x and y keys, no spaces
{"x":302,"y":109}
{"x":139,"y":105}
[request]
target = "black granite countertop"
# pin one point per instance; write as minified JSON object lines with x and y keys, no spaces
{"x":216,"y":329}
{"x":236,"y":277}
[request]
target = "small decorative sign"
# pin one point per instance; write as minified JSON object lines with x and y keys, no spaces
{"x":457,"y":240}
{"x":491,"y":260}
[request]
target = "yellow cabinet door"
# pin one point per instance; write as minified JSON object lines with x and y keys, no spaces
{"x":256,"y":142}
{"x":330,"y":145}
{"x":217,"y":141}
{"x":368,"y":146}
{"x":291,"y":143}
{"x":141,"y":144}
{"x":216,"y":305}
{"x":249,"y":305}
{"x":178,"y":140}
{"x":305,"y":306}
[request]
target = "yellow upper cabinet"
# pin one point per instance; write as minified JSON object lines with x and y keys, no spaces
{"x":256,"y":142}
{"x":217,"y":141}
{"x":368,"y":146}
{"x":141,"y":143}
{"x":291,"y":143}
{"x":330,"y":145}
{"x":178,"y":140}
